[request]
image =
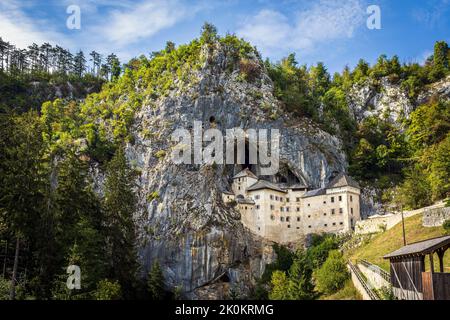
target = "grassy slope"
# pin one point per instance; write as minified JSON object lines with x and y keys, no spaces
{"x":392,"y":239}
{"x":349,"y":292}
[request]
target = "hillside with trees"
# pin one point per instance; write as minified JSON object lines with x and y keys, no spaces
{"x":67,"y":190}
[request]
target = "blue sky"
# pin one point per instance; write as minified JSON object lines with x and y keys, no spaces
{"x":331,"y":31}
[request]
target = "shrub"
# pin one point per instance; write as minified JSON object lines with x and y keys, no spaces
{"x":160,"y":154}
{"x":108,"y":290}
{"x":153,"y":196}
{"x":332,"y":275}
{"x":446,"y":225}
{"x":249,"y":69}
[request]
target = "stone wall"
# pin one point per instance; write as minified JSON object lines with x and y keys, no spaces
{"x":386,"y":222}
{"x":435,"y":217}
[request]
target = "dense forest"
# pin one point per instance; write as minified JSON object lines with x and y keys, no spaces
{"x":51,"y":216}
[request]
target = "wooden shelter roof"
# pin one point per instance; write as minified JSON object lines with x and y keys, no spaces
{"x":420,"y":248}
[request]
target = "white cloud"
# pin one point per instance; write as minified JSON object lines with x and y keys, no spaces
{"x":324,"y":21}
{"x":22,"y":31}
{"x":268,"y":28}
{"x":140,"y":21}
{"x":432,"y":12}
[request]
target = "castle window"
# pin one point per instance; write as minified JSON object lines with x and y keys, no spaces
{"x":332,"y":199}
{"x":351,"y":210}
{"x":324,"y":202}
{"x":341,"y":210}
{"x":298,"y":219}
{"x":325,"y":225}
{"x":282,"y":219}
{"x":276,"y":198}
{"x":272,"y":207}
{"x":281,"y":209}
{"x":298,"y":199}
{"x":309,"y":204}
{"x":309,"y":216}
{"x":298,"y":228}
{"x":287,"y":199}
{"x":334,"y":223}
{"x":324,"y":213}
{"x":257,"y":197}
{"x":288,"y":219}
{"x":351,"y":198}
{"x":333,"y":211}
{"x":259,"y":229}
{"x":239,"y":188}
{"x":289,"y":226}
{"x":257,"y":207}
{"x":245,"y":208}
{"x":271,"y":197}
{"x":340,"y":198}
{"x":309,"y":227}
{"x":341,"y":223}
{"x":272,"y":217}
{"x":281,"y":199}
{"x":298,"y":209}
{"x":287,"y":209}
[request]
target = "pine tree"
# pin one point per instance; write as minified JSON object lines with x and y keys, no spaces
{"x":23,"y":178}
{"x":79,"y":64}
{"x":440,"y":60}
{"x":155,"y":282}
{"x":300,"y":278}
{"x":114,"y":66}
{"x":119,"y":206}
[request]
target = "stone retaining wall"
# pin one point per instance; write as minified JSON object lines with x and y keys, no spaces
{"x":435,"y":217}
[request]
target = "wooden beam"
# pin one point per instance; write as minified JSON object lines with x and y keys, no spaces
{"x":440,"y":254}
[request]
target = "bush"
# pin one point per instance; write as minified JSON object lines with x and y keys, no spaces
{"x":4,"y":288}
{"x":108,"y":290}
{"x":332,"y":275}
{"x":249,"y":69}
{"x":446,"y":226}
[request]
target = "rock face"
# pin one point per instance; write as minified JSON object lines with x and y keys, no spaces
{"x":370,"y":99}
{"x":183,"y":223}
{"x":391,"y":100}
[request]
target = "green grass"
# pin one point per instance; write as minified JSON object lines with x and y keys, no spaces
{"x":391,"y":240}
{"x":348,"y":292}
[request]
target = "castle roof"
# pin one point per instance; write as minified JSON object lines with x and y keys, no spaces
{"x":228,"y":192}
{"x":313,"y":193}
{"x":342,"y":180}
{"x":245,"y":201}
{"x":245,"y":173}
{"x":263,"y":184}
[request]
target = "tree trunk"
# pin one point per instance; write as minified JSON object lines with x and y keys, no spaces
{"x":12,"y":292}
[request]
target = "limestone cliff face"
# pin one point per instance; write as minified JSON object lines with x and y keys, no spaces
{"x":183,"y":223}
{"x":385,"y":98}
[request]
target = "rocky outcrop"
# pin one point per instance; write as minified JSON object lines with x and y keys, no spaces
{"x":182,"y":220}
{"x":383,"y":99}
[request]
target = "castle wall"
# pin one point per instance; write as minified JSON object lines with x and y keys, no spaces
{"x":287,"y":217}
{"x":240,"y":185}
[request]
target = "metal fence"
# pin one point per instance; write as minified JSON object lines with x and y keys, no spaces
{"x":384,"y":274}
{"x":363,"y":282}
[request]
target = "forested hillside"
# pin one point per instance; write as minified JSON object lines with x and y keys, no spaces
{"x":67,"y":190}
